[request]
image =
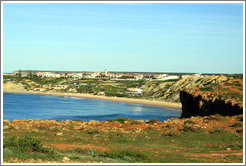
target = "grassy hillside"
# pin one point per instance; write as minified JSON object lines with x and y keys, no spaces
{"x":211,"y":139}
{"x":167,"y":90}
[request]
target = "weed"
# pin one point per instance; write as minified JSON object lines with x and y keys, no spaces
{"x":79,"y":120}
{"x":121,"y":120}
{"x":82,"y":151}
{"x":237,"y":124}
{"x":137,"y":156}
{"x":25,"y":145}
{"x":189,"y":122}
{"x":216,"y":131}
{"x":240,"y":117}
{"x":172,"y":133}
{"x":93,"y":131}
{"x":152,"y":121}
{"x":189,"y":128}
{"x":216,"y":117}
{"x":240,"y":131}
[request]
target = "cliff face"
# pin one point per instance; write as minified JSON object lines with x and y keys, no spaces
{"x":224,"y":98}
{"x":169,"y":91}
{"x":13,"y":87}
{"x":197,"y":105}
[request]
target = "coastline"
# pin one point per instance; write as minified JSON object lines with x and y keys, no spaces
{"x":119,"y":99}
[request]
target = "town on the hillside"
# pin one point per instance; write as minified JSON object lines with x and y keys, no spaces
{"x":103,"y":75}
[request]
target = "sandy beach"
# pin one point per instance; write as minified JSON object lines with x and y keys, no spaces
{"x":120,"y":99}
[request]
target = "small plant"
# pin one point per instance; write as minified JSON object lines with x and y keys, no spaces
{"x":216,"y":131}
{"x":152,"y":121}
{"x":92,"y":132}
{"x":172,"y":133}
{"x":137,"y":156}
{"x":121,"y":120}
{"x":189,"y":122}
{"x":78,"y":120}
{"x":240,"y":117}
{"x":189,"y":128}
{"x":25,"y":145}
{"x":237,"y":124}
{"x":82,"y":151}
{"x":240,"y":131}
{"x":216,"y":117}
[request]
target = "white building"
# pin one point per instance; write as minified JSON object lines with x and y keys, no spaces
{"x":133,"y":91}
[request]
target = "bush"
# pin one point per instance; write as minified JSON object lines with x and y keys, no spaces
{"x":189,"y":128}
{"x":137,"y":156}
{"x":216,"y":131}
{"x":240,"y":117}
{"x":79,"y":120}
{"x":121,"y":120}
{"x":216,"y":117}
{"x":172,"y":133}
{"x":189,"y":122}
{"x":152,"y":121}
{"x":92,"y":132}
{"x":238,"y":124}
{"x":25,"y":145}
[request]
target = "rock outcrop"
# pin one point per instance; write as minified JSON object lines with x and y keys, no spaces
{"x":193,"y":105}
{"x":169,"y":90}
{"x":13,"y":87}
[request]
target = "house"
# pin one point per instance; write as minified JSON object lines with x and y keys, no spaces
{"x":196,"y":75}
{"x":39,"y":89}
{"x":185,"y":75}
{"x":134,"y":91}
{"x":101,"y":93}
{"x":60,"y":86}
{"x":48,"y":74}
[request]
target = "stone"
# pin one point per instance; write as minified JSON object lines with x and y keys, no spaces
{"x":65,"y":159}
{"x":6,"y":127}
{"x":59,"y":134}
{"x":93,"y":122}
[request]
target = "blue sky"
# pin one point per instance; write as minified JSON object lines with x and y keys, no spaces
{"x":199,"y":38}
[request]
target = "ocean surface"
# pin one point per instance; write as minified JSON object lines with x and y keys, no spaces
{"x":34,"y":106}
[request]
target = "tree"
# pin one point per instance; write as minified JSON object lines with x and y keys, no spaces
{"x":30,"y":73}
{"x":20,"y":73}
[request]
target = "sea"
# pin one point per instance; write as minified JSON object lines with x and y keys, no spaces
{"x":36,"y":106}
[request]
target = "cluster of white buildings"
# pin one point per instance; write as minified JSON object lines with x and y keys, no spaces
{"x":104,"y":75}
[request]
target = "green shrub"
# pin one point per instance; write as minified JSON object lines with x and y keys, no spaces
{"x":121,"y":120}
{"x":216,"y":117}
{"x":240,"y":131}
{"x":82,"y":151}
{"x":137,"y":156}
{"x":152,"y":121}
{"x":217,"y":131}
{"x":240,"y":117}
{"x":93,"y":131}
{"x":79,"y":120}
{"x":25,"y":145}
{"x":237,"y":124}
{"x":189,"y":122}
{"x":189,"y":128}
{"x":172,"y":133}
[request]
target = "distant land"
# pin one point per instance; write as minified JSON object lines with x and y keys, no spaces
{"x":124,"y":72}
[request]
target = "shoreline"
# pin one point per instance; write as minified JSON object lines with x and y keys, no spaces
{"x":119,"y":99}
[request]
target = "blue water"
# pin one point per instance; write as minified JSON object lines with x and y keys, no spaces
{"x":35,"y":106}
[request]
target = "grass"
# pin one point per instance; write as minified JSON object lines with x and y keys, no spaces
{"x":129,"y":142}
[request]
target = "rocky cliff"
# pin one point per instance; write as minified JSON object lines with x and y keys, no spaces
{"x":13,"y":87}
{"x":224,"y":98}
{"x":169,"y":90}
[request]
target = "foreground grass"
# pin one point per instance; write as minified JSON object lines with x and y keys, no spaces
{"x":212,"y":139}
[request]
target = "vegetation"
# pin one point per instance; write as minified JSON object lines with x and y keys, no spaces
{"x":124,"y":140}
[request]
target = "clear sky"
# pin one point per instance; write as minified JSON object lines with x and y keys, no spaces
{"x":199,"y":38}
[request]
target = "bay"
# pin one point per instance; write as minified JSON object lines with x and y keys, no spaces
{"x":35,"y":106}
